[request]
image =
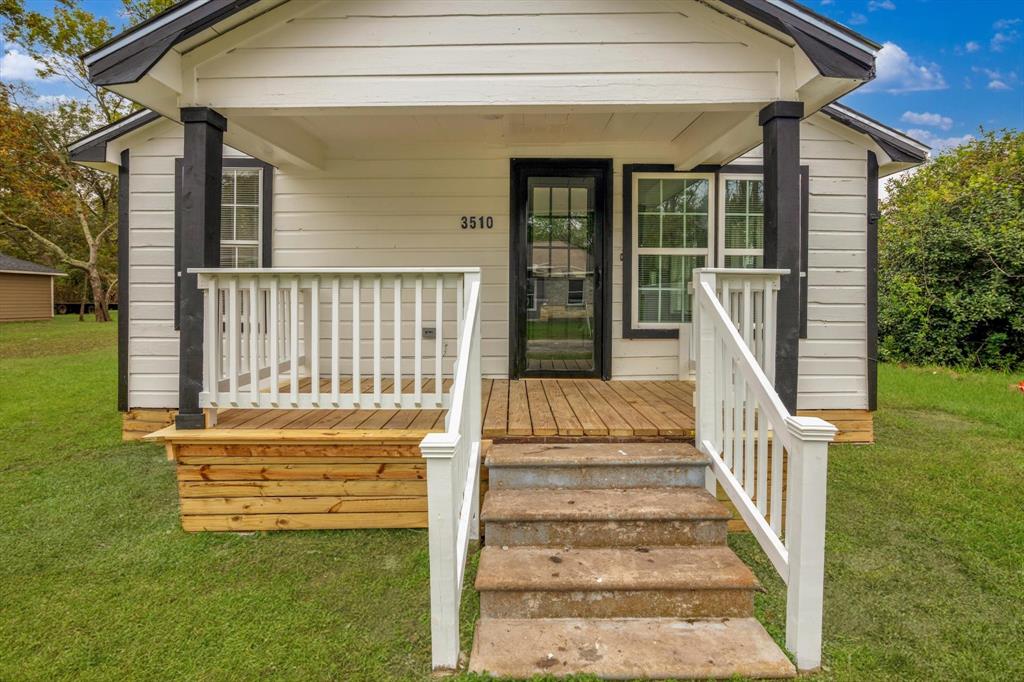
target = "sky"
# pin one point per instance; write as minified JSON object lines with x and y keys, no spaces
{"x":947,"y":67}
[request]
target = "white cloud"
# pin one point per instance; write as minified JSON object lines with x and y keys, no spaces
{"x":53,"y":101}
{"x":874,"y":5}
{"x":896,"y":72}
{"x":18,"y":66}
{"x":927,"y":119}
{"x":1006,"y":33}
{"x":938,"y":144}
{"x":970,"y":47}
{"x":998,"y":85}
{"x":827,"y":2}
{"x":998,"y":80}
{"x":856,"y":19}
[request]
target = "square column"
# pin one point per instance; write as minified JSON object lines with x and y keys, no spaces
{"x":200,"y":248}
{"x":780,"y":123}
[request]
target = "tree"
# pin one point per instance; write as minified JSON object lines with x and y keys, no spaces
{"x":65,"y":210}
{"x":951,"y":258}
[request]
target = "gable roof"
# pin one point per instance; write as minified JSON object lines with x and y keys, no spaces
{"x":93,"y":147}
{"x":12,"y":264}
{"x":835,"y":50}
{"x":898,"y":146}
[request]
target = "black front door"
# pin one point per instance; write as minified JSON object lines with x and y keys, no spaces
{"x":560,"y":236}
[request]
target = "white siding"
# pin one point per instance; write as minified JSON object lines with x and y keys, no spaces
{"x":351,"y":53}
{"x":402,"y":207}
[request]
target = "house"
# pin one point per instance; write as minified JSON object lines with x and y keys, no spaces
{"x":369,"y":244}
{"x":26,"y":290}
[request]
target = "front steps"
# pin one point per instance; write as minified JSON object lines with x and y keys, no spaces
{"x":610,"y":559}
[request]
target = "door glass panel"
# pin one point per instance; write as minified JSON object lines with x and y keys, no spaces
{"x":560,"y":274}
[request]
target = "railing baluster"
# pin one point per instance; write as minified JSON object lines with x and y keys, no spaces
{"x":233,"y":322}
{"x":313,"y":341}
{"x":438,"y":336}
{"x":357,"y":380}
{"x":748,"y":400}
{"x":398,"y":342}
{"x":335,"y":341}
{"x":376,"y":342}
{"x":293,"y":338}
{"x":274,"y":296}
{"x":417,"y":335}
{"x":253,"y":325}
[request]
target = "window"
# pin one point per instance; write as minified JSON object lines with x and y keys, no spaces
{"x":672,"y":214}
{"x":240,"y":217}
{"x":741,"y":236}
{"x":575,"y":295}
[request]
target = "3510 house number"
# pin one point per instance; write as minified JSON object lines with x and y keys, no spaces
{"x":477,"y":222}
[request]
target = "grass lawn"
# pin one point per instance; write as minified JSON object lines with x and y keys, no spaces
{"x":97,"y":581}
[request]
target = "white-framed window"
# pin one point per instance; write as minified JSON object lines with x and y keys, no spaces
{"x":575,"y":294}
{"x":741,"y":221}
{"x":672,"y":218}
{"x":241,"y":217}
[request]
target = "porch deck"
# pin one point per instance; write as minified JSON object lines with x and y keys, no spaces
{"x":549,"y":409}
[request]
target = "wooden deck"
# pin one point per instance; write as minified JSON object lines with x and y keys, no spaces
{"x":549,"y":409}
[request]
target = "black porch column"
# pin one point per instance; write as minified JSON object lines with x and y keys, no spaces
{"x":200,"y":248}
{"x":780,"y":123}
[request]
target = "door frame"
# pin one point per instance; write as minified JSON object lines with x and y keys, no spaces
{"x":520,"y":170}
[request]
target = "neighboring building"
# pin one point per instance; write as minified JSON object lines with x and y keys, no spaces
{"x":26,"y":289}
{"x":359,"y":239}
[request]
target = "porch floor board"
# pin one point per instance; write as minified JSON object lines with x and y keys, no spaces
{"x":514,"y":410}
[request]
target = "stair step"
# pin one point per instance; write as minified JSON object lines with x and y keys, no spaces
{"x":627,"y":648}
{"x":604,"y":518}
{"x":621,"y":582}
{"x":595,"y":465}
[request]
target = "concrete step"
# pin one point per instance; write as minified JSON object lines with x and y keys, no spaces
{"x":604,"y":518}
{"x":619,"y":582}
{"x":626,"y":649}
{"x":595,"y":465}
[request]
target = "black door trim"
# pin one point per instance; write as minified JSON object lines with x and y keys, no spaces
{"x":520,"y":169}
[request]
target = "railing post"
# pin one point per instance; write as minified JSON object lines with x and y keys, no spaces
{"x":475,"y":397}
{"x":439,"y":449}
{"x":705,"y":371}
{"x":805,"y":540}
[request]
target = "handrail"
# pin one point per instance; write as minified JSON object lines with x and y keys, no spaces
{"x":747,"y":433}
{"x":453,"y":486}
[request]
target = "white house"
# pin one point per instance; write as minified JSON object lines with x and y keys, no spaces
{"x":338,"y":217}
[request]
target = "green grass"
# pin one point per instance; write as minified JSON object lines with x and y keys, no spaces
{"x":925,"y":547}
{"x":558,"y":328}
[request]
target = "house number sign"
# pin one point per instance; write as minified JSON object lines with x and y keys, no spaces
{"x":474,"y":222}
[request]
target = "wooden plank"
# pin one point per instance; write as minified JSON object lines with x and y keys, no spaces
{"x":286,"y":417}
{"x":284,"y":470}
{"x":348,"y":450}
{"x":496,"y":414}
{"x":378,"y":419}
{"x":615,"y":423}
{"x":251,"y":522}
{"x":540,"y":412}
{"x":640,"y":425}
{"x":425,"y":419}
{"x":669,"y":406}
{"x":353,"y":488}
{"x":565,"y":419}
{"x":301,"y":505}
{"x":683,"y":390}
{"x":279,"y":461}
{"x":588,"y":418}
{"x":247,"y":435}
{"x":665,"y":425}
{"x":518,"y":410}
{"x":402,"y":419}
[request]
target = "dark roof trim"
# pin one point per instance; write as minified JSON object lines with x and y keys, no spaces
{"x":835,"y":50}
{"x":896,"y":145}
{"x":93,"y":147}
{"x":127,"y":57}
{"x":12,"y":264}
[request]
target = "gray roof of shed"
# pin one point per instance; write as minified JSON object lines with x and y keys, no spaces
{"x":12,"y":264}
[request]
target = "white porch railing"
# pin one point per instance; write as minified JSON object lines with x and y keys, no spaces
{"x":453,"y":487}
{"x":749,"y":434}
{"x":329,"y":338}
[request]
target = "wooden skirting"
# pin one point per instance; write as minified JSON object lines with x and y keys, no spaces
{"x":140,"y":422}
{"x":855,"y":426}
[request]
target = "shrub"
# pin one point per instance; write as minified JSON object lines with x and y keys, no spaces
{"x":951,"y":258}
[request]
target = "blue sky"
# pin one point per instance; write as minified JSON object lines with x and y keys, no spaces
{"x":948,"y":66}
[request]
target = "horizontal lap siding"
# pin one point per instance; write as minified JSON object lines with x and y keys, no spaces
{"x":833,"y":357}
{"x":25,"y":297}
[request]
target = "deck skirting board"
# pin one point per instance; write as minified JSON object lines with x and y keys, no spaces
{"x":138,"y":423}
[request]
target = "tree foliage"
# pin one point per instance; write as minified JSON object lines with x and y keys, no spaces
{"x":50,"y":209}
{"x":951,"y":258}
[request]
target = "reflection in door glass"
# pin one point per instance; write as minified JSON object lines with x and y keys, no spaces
{"x":560,"y":275}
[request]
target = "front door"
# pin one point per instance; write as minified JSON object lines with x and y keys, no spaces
{"x":560,"y":231}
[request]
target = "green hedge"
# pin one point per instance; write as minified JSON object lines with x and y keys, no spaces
{"x":951,"y":258}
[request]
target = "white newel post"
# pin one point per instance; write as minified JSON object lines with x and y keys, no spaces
{"x":705,"y":374}
{"x":439,"y":450}
{"x":808,"y":472}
